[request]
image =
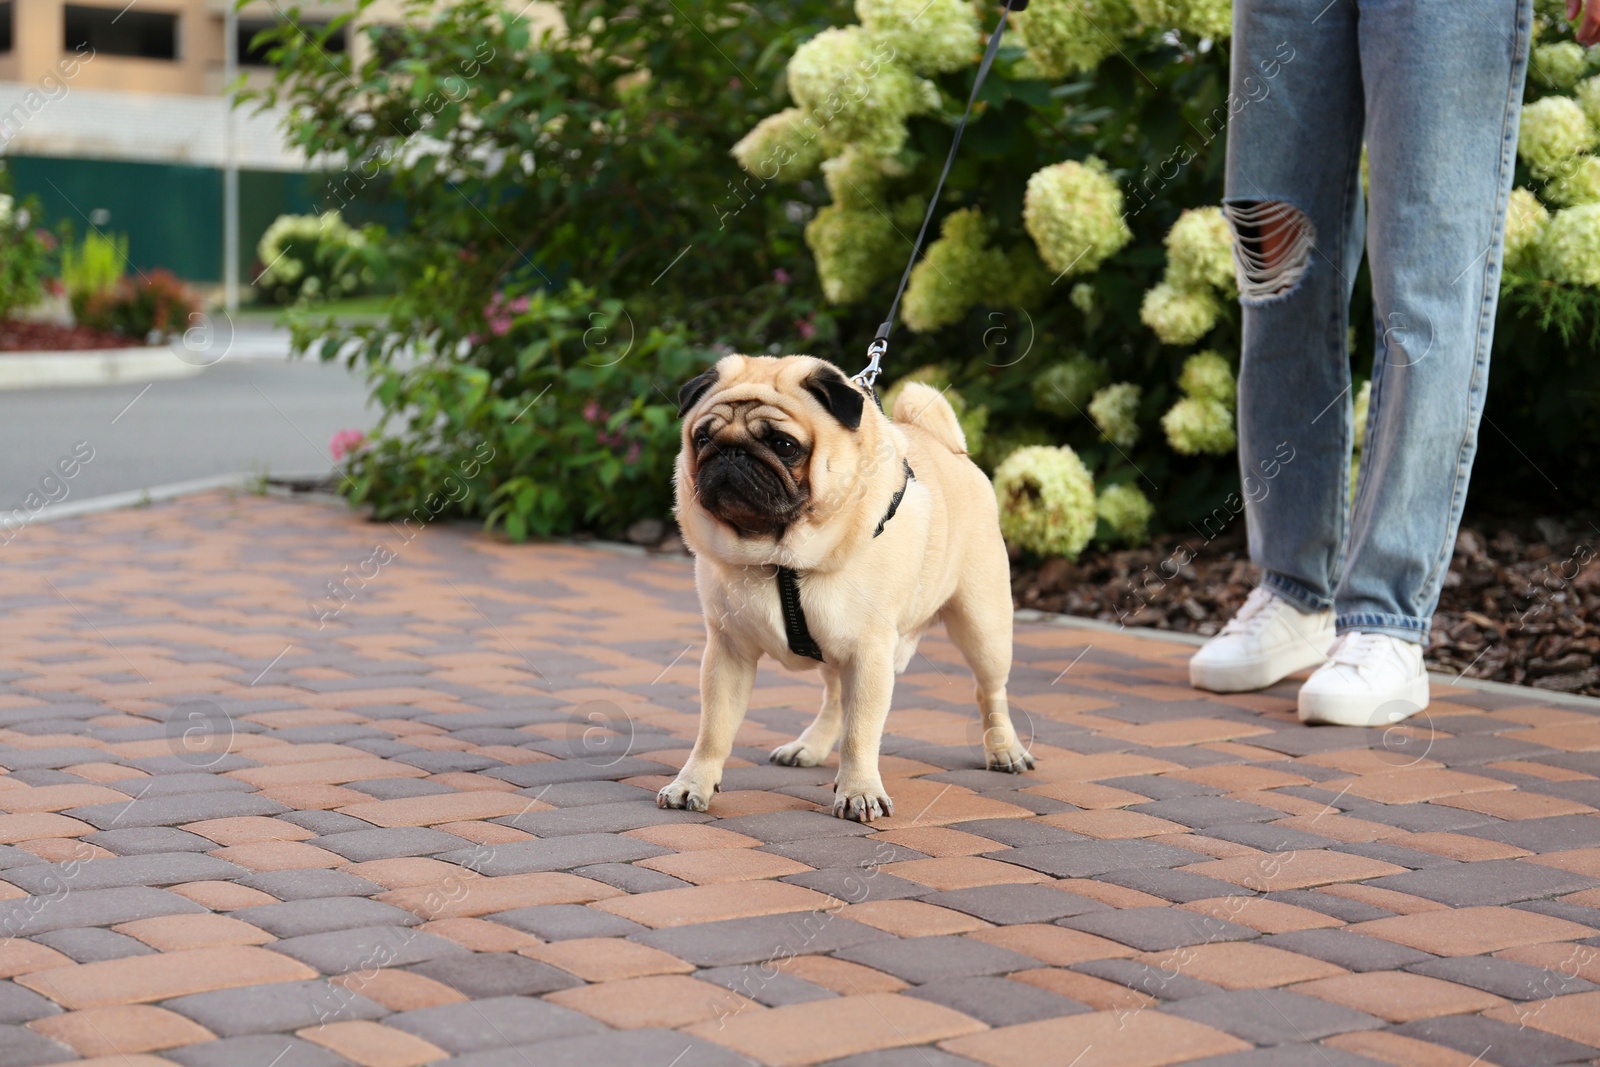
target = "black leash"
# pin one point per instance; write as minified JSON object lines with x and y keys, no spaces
{"x":880,"y":344}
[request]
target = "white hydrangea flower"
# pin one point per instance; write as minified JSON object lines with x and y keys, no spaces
{"x":782,"y":147}
{"x":1579,"y":183}
{"x":1208,"y":376}
{"x":953,"y":274}
{"x":1082,"y":297}
{"x":1358,"y":414}
{"x":1202,"y":18}
{"x":1587,"y":94}
{"x":1559,"y":64}
{"x":1115,"y":411}
{"x":1194,"y":426}
{"x":1064,"y":388}
{"x":1047,"y":502}
{"x":1554,"y":130}
{"x":1200,"y":250}
{"x":856,"y":91}
{"x":1526,"y":219}
{"x":1127,"y":511}
{"x":1073,"y":212}
{"x":1179,"y":316}
{"x":1072,"y":36}
{"x":929,"y":36}
{"x":1569,"y":251}
{"x":854,"y":250}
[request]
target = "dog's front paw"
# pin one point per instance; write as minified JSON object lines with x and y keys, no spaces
{"x":862,"y":802}
{"x":686,"y":794}
{"x":1013,"y":760}
{"x":798,"y":754}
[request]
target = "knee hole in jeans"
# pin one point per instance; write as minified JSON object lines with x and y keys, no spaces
{"x":1271,"y":246}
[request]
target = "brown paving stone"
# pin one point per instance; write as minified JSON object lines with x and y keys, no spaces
{"x":605,"y":959}
{"x":167,"y":932}
{"x":1088,"y":795}
{"x":408,"y":871}
{"x":667,"y":1000}
{"x":30,"y":826}
{"x":1209,"y":846}
{"x":799,"y":1034}
{"x":279,"y":856}
{"x":1097,"y":993}
{"x":710,"y":903}
{"x":691,"y":837}
{"x":1578,"y":860}
{"x":1562,"y":958}
{"x":1239,"y":777}
{"x":1406,"y":1051}
{"x":1300,"y":869}
{"x":1112,"y":823}
{"x":1388,"y":899}
{"x":939,"y":841}
{"x":471,"y":897}
{"x":105,"y":772}
{"x":1239,"y":965}
{"x":314,"y":797}
{"x":140,"y":979}
{"x":65,"y":850}
{"x":714,"y":865}
{"x":1415,"y":785}
{"x":962,"y":872}
{"x":480,"y":935}
{"x":841,"y":976}
{"x":1115,"y":895}
{"x":1101,"y":1039}
{"x":1398,"y":996}
{"x":223,"y":896}
{"x":485,"y":833}
{"x":1259,"y":913}
{"x":20,"y":957}
{"x":57,"y":797}
{"x":371,"y":1044}
{"x":1055,"y":945}
{"x":399,"y":990}
{"x":121,"y":1030}
{"x":248,"y":829}
{"x":1516,"y":805}
{"x":1575,"y":1017}
{"x":442,"y":807}
{"x":1471,"y":931}
{"x":1351,"y":831}
{"x":1460,"y":846}
{"x":912,"y":918}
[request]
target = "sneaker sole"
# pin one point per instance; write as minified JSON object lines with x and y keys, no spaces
{"x":1338,"y":709}
{"x":1242,"y":677}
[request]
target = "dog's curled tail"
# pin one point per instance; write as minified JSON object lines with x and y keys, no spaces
{"x":926,"y":408}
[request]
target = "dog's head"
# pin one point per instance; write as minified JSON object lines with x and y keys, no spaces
{"x":776,"y":449}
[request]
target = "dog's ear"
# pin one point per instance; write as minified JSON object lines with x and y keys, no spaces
{"x":694,"y":389}
{"x":834,"y":392}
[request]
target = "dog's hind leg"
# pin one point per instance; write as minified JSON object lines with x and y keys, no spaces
{"x":816,"y":740}
{"x":978,"y":619}
{"x":727,"y":675}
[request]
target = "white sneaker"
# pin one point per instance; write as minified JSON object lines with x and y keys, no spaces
{"x":1266,"y":642}
{"x":1369,"y":680}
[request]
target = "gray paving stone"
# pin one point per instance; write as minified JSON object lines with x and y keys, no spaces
{"x":494,"y":1022}
{"x":1398,"y":855}
{"x":170,"y":811}
{"x":34,"y":915}
{"x":274,"y":1008}
{"x":21,"y":759}
{"x":1350,"y":911}
{"x":1019,"y":833}
{"x":1203,"y":811}
{"x":1008,"y":905}
{"x":1473,"y":1034}
{"x":143,"y":840}
{"x":997,"y":1001}
{"x":1158,"y":981}
{"x":631,"y":1047}
{"x":573,"y":770}
{"x":1273,"y":1016}
{"x":930,"y":959}
{"x":259,"y":1050}
{"x":18,"y":1004}
{"x":1353,"y":952}
{"x":858,"y":886}
{"x":92,"y":944}
{"x":310,"y":883}
{"x":562,"y":922}
{"x":1090,"y":859}
{"x":910,"y":1056}
{"x":1289,"y":1056}
{"x":385,"y":843}
{"x":765,"y":937}
{"x":1575,"y":913}
{"x":396,"y":788}
{"x":12,"y":856}
{"x":1504,"y":978}
{"x":172,"y":785}
{"x":488,"y":974}
{"x":554,"y":853}
{"x":1178,"y":886}
{"x":778,"y":827}
{"x":366,"y":947}
{"x":321,"y":915}
{"x":829,"y":852}
{"x":1486,"y":882}
{"x":156,"y":869}
{"x":581,"y":794}
{"x":21,"y":1047}
{"x":765,"y":985}
{"x":1421,"y":818}
{"x":326,"y":822}
{"x":612,"y":818}
{"x":630,"y":879}
{"x":1155,"y":929}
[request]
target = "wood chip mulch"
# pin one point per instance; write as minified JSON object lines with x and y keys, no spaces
{"x":19,"y":336}
{"x":1521,"y":602}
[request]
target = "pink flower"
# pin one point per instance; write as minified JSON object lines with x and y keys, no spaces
{"x":807,"y":329}
{"x":592,"y":412}
{"x":519,"y":306}
{"x":633,"y":453}
{"x":733,"y":83}
{"x":345,"y":443}
{"x":499,"y":325}
{"x":780,"y":276}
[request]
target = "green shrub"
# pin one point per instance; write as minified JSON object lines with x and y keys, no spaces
{"x":24,"y":255}
{"x":151,"y":306}
{"x":307,"y":259}
{"x":92,"y":267}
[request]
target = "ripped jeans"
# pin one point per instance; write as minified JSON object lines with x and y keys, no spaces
{"x":1435,"y":89}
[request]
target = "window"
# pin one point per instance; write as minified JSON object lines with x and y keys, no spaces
{"x":5,"y":26}
{"x":110,"y":32}
{"x":254,"y":55}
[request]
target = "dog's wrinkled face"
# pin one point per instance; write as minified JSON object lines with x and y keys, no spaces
{"x":758,"y":438}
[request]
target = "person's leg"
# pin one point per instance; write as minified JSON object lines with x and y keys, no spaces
{"x":1443,"y":90}
{"x":1293,"y":196}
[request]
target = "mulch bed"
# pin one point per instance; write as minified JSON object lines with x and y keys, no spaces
{"x":18,"y":336}
{"x":1520,"y":604}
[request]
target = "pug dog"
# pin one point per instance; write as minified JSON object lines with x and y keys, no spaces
{"x":881,"y":525}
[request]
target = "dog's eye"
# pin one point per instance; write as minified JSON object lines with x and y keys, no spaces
{"x":702,"y":439}
{"x":785,"y":448}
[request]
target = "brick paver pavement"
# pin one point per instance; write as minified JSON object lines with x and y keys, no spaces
{"x":247,"y":823}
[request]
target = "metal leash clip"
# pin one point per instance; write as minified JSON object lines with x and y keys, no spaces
{"x":868,"y":375}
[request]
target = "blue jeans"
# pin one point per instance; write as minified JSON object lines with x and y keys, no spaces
{"x":1435,"y":90}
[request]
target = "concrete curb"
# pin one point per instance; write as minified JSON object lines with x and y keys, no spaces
{"x":156,"y":494}
{"x":100,"y":366}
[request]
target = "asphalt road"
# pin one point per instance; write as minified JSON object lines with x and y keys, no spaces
{"x":260,"y":415}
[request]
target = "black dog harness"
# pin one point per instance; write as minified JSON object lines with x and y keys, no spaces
{"x":801,"y":643}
